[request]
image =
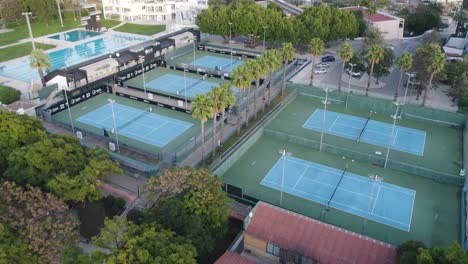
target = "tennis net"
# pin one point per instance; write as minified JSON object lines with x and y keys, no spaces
{"x":338,"y":185}
{"x":132,"y":120}
{"x":196,"y":83}
{"x":365,"y":125}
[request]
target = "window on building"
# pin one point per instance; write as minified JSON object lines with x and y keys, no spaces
{"x":273,"y":249}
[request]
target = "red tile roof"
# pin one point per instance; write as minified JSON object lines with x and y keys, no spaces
{"x":233,"y":258}
{"x":317,"y":240}
{"x":371,"y":18}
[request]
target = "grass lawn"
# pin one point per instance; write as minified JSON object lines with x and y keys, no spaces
{"x":108,"y":23}
{"x":20,"y":50}
{"x":147,"y":30}
{"x":38,"y":29}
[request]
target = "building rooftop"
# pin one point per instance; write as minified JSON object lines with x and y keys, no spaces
{"x":314,"y":239}
{"x":378,"y":17}
{"x":233,"y":258}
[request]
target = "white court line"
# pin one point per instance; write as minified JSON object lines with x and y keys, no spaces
{"x":302,"y":174}
{"x":348,"y":175}
{"x":334,"y":122}
{"x":412,"y":208}
{"x":155,"y":128}
{"x":350,"y":207}
{"x":375,"y":201}
{"x":394,"y":138}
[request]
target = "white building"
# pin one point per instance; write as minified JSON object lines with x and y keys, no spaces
{"x":390,"y":26}
{"x":154,"y":11}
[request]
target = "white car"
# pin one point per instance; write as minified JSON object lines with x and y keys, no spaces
{"x":322,"y":65}
{"x":354,"y":74}
{"x":320,"y":70}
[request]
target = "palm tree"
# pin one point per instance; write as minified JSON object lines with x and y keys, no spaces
{"x":374,"y":56}
{"x":240,"y":79}
{"x":215,"y":97}
{"x":272,"y":58}
{"x":40,"y":61}
{"x":287,"y":53}
{"x":226,"y":99}
{"x":256,"y":73}
{"x":202,"y":109}
{"x":436,"y":64}
{"x":346,"y":53}
{"x":316,"y":49}
{"x":263,"y":65}
{"x":405,"y":61}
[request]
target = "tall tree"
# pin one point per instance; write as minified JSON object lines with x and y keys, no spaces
{"x":316,"y":49}
{"x":256,"y":73}
{"x":287,"y":53}
{"x":435,"y":65}
{"x":199,"y":190}
{"x":44,"y":10}
{"x":374,"y":56}
{"x":346,"y":53}
{"x":13,"y":249}
{"x":383,"y":67}
{"x":11,"y":9}
{"x":42,"y":219}
{"x":68,"y":169}
{"x":202,"y":110}
{"x":241,"y":78}
{"x":227,"y":99}
{"x":263,"y":64}
{"x":215,"y":96}
{"x":405,"y":62}
{"x":131,"y":243}
{"x":17,"y":131}
{"x":272,"y":58}
{"x":40,"y":61}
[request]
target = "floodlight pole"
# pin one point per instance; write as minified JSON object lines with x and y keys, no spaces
{"x":375,"y":178}
{"x":395,"y":117}
{"x":325,"y":102}
{"x":264,"y":37}
{"x":230,"y":36}
{"x":185,"y":88}
{"x":27,"y":14}
{"x":349,"y":82}
{"x":283,"y":153}
{"x":112,"y":101}
{"x":144,"y":79}
{"x":69,"y":111}
{"x":193,"y":41}
{"x":60,"y":13}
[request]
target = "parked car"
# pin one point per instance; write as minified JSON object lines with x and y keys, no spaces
{"x":322,"y":65}
{"x":328,"y":58}
{"x":320,"y":70}
{"x":354,"y":74}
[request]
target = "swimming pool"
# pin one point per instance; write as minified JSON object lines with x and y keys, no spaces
{"x":20,"y":70}
{"x":75,"y":35}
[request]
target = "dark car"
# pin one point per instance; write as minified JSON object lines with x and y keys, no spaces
{"x":328,"y":59}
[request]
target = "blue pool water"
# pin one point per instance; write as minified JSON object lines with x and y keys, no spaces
{"x":20,"y":70}
{"x":75,"y":35}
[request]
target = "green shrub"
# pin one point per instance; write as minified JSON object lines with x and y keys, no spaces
{"x":112,"y":204}
{"x":9,"y":95}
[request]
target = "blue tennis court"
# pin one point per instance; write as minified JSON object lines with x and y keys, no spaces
{"x":382,"y":202}
{"x":174,"y":84}
{"x":376,"y":133}
{"x":213,"y":62}
{"x":140,"y":125}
